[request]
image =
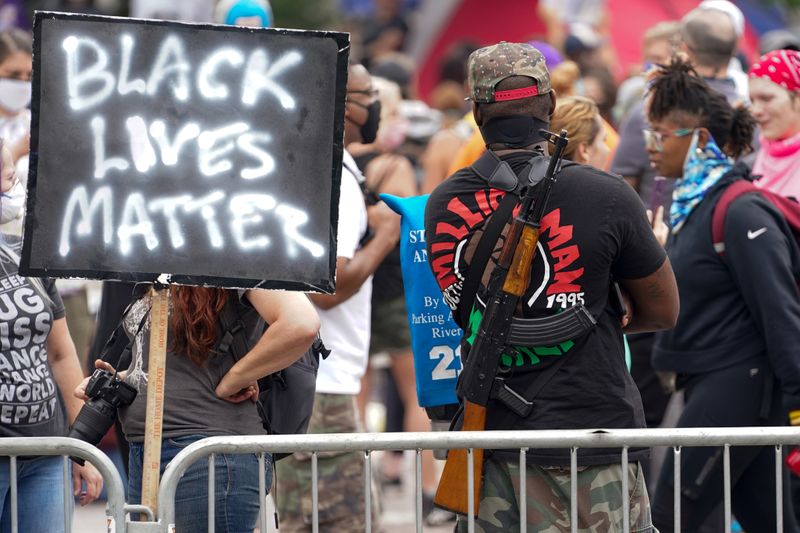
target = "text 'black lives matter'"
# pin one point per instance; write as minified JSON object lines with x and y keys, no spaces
{"x":208,"y":153}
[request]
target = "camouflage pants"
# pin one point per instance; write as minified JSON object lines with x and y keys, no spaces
{"x":341,"y":476}
{"x":548,"y":499}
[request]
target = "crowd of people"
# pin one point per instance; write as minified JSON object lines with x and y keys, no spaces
{"x":706,"y":336}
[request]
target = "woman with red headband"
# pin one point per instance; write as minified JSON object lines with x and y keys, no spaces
{"x":775,"y":93}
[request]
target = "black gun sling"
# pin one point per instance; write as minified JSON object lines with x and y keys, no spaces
{"x":547,"y":331}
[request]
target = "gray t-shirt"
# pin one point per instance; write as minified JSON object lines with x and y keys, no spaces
{"x":190,"y":405}
{"x":30,"y":402}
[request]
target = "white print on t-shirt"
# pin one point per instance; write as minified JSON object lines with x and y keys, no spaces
{"x":27,"y":389}
{"x":753,"y":234}
{"x":564,"y":300}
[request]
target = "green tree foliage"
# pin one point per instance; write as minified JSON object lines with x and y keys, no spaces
{"x":306,"y":14}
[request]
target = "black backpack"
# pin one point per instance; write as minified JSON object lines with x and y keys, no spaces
{"x":286,"y":397}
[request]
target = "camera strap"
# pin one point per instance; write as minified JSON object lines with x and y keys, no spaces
{"x":117,"y":349}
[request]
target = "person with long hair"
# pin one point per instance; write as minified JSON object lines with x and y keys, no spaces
{"x":208,"y":392}
{"x":38,"y":368}
{"x":580,"y":116}
{"x":734,"y":349}
{"x":775,"y":96}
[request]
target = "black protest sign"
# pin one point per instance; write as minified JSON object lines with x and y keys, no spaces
{"x":208,"y":153}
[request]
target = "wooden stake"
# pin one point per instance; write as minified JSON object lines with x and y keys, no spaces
{"x":156,"y":367}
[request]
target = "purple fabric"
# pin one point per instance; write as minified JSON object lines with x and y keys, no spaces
{"x":552,"y":57}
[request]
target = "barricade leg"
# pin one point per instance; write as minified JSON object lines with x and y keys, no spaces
{"x":779,"y":487}
{"x":67,"y":494}
{"x":573,"y":489}
{"x":368,"y":489}
{"x":211,"y":495}
{"x":418,"y":490}
{"x":677,"y":487}
{"x":626,"y":505}
{"x":14,"y":500}
{"x":726,"y":473}
{"x":523,"y":490}
{"x":470,"y":491}
{"x":314,"y":493}
{"x":262,"y":492}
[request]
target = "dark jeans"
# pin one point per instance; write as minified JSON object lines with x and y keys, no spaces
{"x":235,"y":488}
{"x":743,"y":395}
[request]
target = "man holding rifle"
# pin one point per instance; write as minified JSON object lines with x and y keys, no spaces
{"x":526,"y":251}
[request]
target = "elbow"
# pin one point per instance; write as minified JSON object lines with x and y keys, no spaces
{"x":671,"y":318}
{"x":672,"y":321}
{"x":665,"y":320}
{"x":311,"y":330}
{"x":660,"y":318}
{"x":326,"y":302}
{"x":305,"y":331}
{"x":663,"y":325}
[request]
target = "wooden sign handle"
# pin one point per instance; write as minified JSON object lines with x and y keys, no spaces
{"x":154,"y":417}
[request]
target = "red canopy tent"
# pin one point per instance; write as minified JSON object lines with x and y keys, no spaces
{"x":485,"y":22}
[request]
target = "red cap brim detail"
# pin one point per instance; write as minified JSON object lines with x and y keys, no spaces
{"x":516,"y":94}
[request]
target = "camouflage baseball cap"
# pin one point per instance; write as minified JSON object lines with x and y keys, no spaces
{"x":490,"y":65}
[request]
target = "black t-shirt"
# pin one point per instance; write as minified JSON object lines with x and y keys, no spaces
{"x":595,"y":228}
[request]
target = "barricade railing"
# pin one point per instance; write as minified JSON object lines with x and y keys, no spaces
{"x":15,"y":447}
{"x":574,"y":440}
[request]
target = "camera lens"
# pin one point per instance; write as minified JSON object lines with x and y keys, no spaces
{"x":93,"y":421}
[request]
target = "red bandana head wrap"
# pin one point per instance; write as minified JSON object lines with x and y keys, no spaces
{"x":781,"y":67}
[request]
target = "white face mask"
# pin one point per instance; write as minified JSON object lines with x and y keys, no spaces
{"x":15,"y":95}
{"x":9,"y":208}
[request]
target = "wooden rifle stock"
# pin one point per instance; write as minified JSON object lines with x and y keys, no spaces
{"x":515,"y":261}
{"x":451,"y":494}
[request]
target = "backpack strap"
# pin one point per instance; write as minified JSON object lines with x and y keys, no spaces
{"x":729,"y":195}
{"x":234,"y":336}
{"x":787,"y":206}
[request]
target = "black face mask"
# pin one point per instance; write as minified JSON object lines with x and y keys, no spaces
{"x":514,"y":131}
{"x":369,"y":129}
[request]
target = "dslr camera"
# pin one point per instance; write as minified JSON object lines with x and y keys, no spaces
{"x":106,"y":393}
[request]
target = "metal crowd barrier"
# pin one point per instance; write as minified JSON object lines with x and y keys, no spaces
{"x":14,"y":447}
{"x":522,"y":440}
{"x":574,"y":440}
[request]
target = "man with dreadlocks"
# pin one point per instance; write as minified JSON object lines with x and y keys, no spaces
{"x":734,"y":349}
{"x":594,"y":228}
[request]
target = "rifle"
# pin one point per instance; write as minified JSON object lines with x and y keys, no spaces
{"x":478,"y":382}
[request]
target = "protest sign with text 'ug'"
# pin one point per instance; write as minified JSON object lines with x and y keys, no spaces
{"x":208,"y":153}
